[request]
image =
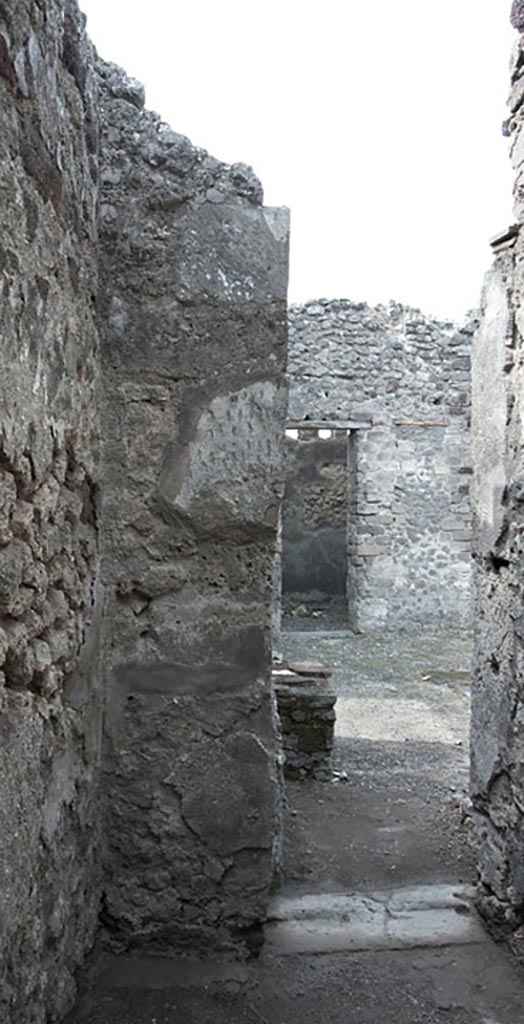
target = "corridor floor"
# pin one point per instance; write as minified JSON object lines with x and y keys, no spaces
{"x":389,"y":834}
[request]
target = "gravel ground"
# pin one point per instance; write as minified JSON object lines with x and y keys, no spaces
{"x":402,"y":742}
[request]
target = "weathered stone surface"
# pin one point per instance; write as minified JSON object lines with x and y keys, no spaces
{"x":422,"y":916}
{"x":311,"y":669}
{"x":407,"y":486}
{"x":497,"y":718}
{"x":193,"y":345}
{"x":497,"y":729}
{"x":149,"y":542}
{"x":49,"y":749}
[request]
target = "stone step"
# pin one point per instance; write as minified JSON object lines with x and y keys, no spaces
{"x":407,"y":918}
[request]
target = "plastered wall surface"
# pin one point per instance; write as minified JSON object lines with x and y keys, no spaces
{"x":194,"y":345}
{"x":142,"y":397}
{"x":405,"y":379}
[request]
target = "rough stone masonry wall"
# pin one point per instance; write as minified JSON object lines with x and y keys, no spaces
{"x":153,"y":548}
{"x":194,"y":336}
{"x":409,"y":525}
{"x":49,"y":693}
{"x":498,"y":693}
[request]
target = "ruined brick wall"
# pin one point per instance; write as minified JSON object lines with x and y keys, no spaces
{"x":194,"y":273}
{"x":49,"y":696}
{"x":497,"y":731}
{"x":409,"y":524}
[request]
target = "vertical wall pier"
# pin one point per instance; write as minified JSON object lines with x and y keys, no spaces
{"x":497,"y":727}
{"x":194,"y":332}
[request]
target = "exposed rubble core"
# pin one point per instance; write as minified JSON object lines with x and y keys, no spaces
{"x":49,"y":474}
{"x":143,"y":403}
{"x":401,"y":383}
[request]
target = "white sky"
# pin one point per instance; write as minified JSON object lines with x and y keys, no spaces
{"x":377,"y":122}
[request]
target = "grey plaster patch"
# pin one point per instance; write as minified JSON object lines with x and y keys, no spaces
{"x":234,"y":430}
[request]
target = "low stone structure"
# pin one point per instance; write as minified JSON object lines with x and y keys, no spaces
{"x":142,"y":396}
{"x":377,"y":505}
{"x":306,"y":709}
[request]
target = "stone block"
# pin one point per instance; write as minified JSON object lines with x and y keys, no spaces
{"x":306,"y":709}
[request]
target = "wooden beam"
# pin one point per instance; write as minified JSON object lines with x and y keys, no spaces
{"x":328,"y":424}
{"x":421,"y":423}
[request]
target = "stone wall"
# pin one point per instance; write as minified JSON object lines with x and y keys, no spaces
{"x":498,"y":694}
{"x":405,"y":378}
{"x":49,"y":683}
{"x":143,"y":408}
{"x":194,"y":335}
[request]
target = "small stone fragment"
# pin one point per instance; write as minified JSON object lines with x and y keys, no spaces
{"x":310,"y":668}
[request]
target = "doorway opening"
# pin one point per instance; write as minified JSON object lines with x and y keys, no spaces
{"x":315,"y":529}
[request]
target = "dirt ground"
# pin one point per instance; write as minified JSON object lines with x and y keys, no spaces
{"x":393,"y":815}
{"x":402,"y":739}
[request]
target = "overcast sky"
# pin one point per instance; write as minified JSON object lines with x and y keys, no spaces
{"x":377,"y":122}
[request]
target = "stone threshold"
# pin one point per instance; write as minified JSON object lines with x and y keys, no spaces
{"x":423,"y":916}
